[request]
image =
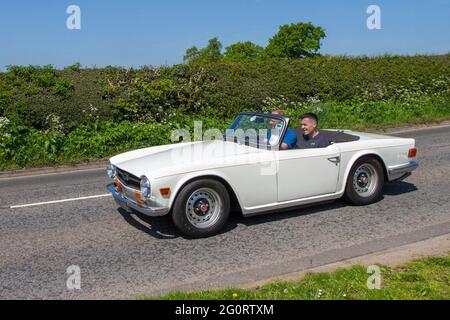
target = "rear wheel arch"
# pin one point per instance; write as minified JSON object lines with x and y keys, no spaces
{"x":368,"y":155}
{"x":383,"y":165}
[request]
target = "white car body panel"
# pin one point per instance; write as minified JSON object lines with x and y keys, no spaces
{"x":262,"y":180}
{"x":298,"y":170}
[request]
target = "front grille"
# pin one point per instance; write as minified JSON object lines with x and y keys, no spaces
{"x":128,"y":179}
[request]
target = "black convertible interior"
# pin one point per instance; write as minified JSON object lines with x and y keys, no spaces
{"x":333,"y":136}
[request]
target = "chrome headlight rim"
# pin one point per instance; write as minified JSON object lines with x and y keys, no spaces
{"x":111,"y":171}
{"x":145,"y":187}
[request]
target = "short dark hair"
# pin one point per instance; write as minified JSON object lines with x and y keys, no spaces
{"x":309,"y":115}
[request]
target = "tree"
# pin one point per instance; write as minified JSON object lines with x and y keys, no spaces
{"x":191,"y":54}
{"x":212,"y":52}
{"x":296,"y":40}
{"x":243,"y":50}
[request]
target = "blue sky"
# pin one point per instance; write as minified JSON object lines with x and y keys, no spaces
{"x":139,"y":32}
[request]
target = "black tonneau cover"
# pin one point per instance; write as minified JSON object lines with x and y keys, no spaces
{"x":334,"y":136}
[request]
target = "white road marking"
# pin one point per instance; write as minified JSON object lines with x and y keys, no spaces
{"x":59,"y":201}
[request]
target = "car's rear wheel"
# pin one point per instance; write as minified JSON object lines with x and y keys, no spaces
{"x":202,"y":208}
{"x":365,"y":181}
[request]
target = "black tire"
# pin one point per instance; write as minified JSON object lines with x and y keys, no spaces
{"x":355,"y":188}
{"x":188,"y":213}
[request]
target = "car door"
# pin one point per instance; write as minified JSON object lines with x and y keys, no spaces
{"x":304,"y":173}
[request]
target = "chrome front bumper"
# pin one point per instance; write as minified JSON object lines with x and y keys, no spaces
{"x":129,"y":205}
{"x":401,"y":172}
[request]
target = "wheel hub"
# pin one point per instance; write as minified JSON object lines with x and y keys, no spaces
{"x":365,"y":180}
{"x":203,"y":207}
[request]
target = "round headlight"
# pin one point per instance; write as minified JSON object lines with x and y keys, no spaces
{"x":145,"y":187}
{"x":111,"y":171}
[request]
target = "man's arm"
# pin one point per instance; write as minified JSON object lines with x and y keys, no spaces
{"x":290,"y":140}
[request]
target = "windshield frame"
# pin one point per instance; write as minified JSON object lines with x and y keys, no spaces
{"x":284,"y":120}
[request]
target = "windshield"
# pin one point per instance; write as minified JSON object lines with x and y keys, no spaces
{"x":258,"y":130}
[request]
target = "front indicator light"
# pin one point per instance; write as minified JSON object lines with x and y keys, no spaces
{"x":165,"y":192}
{"x":118,"y":186}
{"x":139,"y":199}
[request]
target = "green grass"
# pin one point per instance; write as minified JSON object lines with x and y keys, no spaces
{"x":427,"y":278}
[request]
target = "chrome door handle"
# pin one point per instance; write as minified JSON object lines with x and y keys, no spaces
{"x":335,"y":160}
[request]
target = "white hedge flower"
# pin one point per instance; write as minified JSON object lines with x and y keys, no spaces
{"x":313,"y":99}
{"x":4,"y":122}
{"x":54,"y":122}
{"x":319,"y":293}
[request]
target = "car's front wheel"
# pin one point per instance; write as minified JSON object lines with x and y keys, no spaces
{"x":365,"y":182}
{"x":202,"y":208}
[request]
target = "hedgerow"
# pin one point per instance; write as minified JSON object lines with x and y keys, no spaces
{"x":51,"y":116}
{"x":80,"y":96}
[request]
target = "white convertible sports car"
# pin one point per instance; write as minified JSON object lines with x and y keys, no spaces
{"x":198,"y":183}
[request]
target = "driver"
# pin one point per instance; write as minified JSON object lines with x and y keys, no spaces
{"x":290,"y":138}
{"x":311,"y":137}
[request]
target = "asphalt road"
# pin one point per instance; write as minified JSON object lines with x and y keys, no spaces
{"x":124,"y":256}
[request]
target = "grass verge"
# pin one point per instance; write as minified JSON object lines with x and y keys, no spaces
{"x":422,"y":279}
